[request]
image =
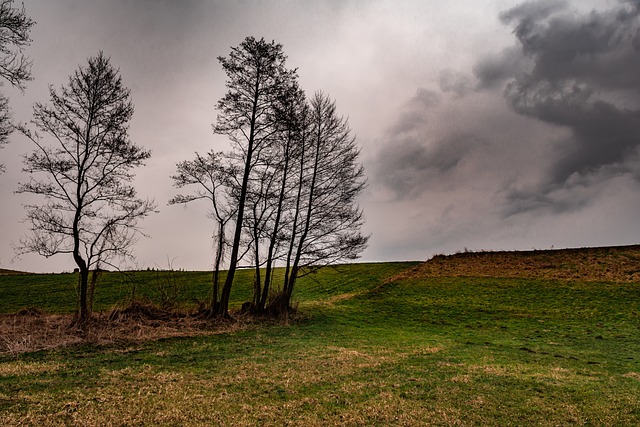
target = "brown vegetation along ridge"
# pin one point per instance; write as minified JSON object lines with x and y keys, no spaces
{"x":4,"y":271}
{"x":614,"y":264}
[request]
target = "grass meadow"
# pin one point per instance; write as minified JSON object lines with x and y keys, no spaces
{"x":364,"y":351}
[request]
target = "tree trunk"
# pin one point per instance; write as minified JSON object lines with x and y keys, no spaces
{"x":95,"y":274}
{"x":274,"y":235}
{"x":84,"y":314}
{"x":296,"y":215}
{"x":223,"y":309}
{"x":288,"y":290}
{"x":215,"y":279}
{"x":257,"y":284}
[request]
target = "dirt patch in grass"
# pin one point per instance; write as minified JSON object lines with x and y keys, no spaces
{"x":32,"y":330}
{"x":609,"y":264}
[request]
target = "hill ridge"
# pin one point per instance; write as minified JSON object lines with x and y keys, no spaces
{"x":5,"y":271}
{"x":606,"y":263}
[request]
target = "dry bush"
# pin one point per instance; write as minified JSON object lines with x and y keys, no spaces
{"x":31,"y":330}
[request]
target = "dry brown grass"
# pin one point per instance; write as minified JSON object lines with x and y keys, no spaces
{"x":609,"y":264}
{"x":150,"y":395}
{"x":33,"y":330}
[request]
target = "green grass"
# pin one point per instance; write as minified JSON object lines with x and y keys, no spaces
{"x":55,"y":293}
{"x":440,"y":351}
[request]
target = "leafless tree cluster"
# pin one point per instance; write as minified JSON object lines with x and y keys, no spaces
{"x":285,"y":194}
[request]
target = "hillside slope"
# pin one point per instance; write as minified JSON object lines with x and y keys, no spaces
{"x":612,"y":264}
{"x":4,"y":271}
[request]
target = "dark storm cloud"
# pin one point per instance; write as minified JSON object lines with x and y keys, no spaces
{"x":603,"y":134}
{"x":527,"y":14}
{"x":493,"y":71}
{"x":406,"y":159}
{"x":410,"y":166}
{"x":584,"y":77}
{"x":574,"y":74}
{"x":599,"y":48}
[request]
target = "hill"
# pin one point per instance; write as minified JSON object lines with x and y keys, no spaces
{"x":609,"y":264}
{"x":4,"y":272}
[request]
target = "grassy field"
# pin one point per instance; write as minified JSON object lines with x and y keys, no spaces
{"x":366,"y":351}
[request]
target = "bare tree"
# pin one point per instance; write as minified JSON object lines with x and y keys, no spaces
{"x":327,"y":217}
{"x":256,"y":77}
{"x":15,"y":68}
{"x":212,"y":179}
{"x":290,"y":111}
{"x":90,"y":208}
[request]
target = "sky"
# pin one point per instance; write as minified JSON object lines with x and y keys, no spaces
{"x":483,"y":124}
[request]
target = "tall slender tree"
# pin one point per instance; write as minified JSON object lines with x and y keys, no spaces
{"x":82,"y":166}
{"x":328,"y":219}
{"x":290,"y":110}
{"x":256,"y":77}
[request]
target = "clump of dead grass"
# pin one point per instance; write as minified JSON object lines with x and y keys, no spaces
{"x":32,"y":330}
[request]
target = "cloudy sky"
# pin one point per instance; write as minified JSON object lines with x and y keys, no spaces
{"x":484,"y":124}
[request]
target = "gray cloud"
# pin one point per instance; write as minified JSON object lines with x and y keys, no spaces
{"x":501,"y":155}
{"x":414,"y":157}
{"x":410,"y":166}
{"x":425,"y":98}
{"x":583,"y":78}
{"x":534,"y":147}
{"x":597,"y":48}
{"x":413,"y":115}
{"x":492,"y":71}
{"x":527,"y":14}
{"x":602,"y":133}
{"x":454,"y":82}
